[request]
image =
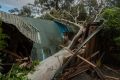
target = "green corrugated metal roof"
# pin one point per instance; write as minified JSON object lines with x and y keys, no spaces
{"x":45,"y":34}
{"x":25,"y":28}
{"x":30,"y":27}
{"x":49,"y":30}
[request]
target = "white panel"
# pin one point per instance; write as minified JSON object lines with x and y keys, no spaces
{"x":39,"y":39}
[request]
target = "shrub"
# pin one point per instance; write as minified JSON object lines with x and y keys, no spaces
{"x":112,"y":24}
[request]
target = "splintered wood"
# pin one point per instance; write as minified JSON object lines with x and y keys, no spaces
{"x":86,"y":54}
{"x":79,"y":62}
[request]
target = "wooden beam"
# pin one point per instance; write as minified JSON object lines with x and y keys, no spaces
{"x":85,"y":60}
{"x":72,"y":57}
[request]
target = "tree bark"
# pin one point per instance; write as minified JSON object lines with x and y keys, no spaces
{"x":76,"y":37}
{"x":47,"y":68}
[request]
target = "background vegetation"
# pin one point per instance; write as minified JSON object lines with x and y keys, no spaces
{"x":112,"y":24}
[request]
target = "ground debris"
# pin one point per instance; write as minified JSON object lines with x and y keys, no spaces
{"x":87,"y":64}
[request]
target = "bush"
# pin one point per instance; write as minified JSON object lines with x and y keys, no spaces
{"x":112,"y":24}
{"x":18,"y":73}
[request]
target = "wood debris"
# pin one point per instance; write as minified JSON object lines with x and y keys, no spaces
{"x":85,"y":53}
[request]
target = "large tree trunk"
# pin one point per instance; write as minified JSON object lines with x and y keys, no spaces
{"x":47,"y":68}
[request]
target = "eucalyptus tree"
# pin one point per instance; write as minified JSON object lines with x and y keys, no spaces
{"x":67,"y":15}
{"x":73,"y":10}
{"x":14,"y":11}
{"x":56,"y":4}
{"x":25,"y":11}
{"x":112,"y":3}
{"x":76,"y":13}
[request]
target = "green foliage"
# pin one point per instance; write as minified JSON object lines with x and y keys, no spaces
{"x":112,"y":24}
{"x":112,"y":17}
{"x":3,"y":44}
{"x":68,"y":14}
{"x":17,"y":73}
{"x":56,"y":4}
{"x":117,"y":40}
{"x":113,"y":3}
{"x":93,"y":2}
{"x":25,"y":11}
{"x":46,"y":16}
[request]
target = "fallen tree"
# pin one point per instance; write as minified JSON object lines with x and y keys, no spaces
{"x":47,"y":69}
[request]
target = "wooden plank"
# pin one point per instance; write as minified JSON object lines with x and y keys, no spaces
{"x":81,"y":58}
{"x":72,"y":57}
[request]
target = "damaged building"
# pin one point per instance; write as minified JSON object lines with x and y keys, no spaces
{"x":32,"y":37}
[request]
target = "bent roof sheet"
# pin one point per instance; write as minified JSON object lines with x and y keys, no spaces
{"x":28,"y":30}
{"x":49,"y":30}
{"x":30,"y":27}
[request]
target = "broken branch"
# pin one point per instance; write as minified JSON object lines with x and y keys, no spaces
{"x":81,"y":58}
{"x":64,"y":20}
